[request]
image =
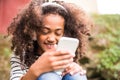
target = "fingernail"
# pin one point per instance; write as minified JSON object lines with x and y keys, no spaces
{"x":83,"y":72}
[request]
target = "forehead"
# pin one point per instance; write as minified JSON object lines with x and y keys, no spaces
{"x":53,"y":18}
{"x":53,"y":21}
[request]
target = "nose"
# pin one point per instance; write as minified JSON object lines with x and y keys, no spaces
{"x":51,"y":38}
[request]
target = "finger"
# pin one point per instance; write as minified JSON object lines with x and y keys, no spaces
{"x":83,"y":72}
{"x":74,"y":71}
{"x":62,"y":62}
{"x":64,"y":57}
{"x":70,"y":68}
{"x":77,"y":70}
{"x":61,"y":55}
{"x":62,"y":52}
{"x":64,"y":73}
{"x":59,"y":67}
{"x":74,"y":68}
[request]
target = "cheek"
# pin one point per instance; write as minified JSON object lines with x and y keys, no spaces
{"x":40,"y":39}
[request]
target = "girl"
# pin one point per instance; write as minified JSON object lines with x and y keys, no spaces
{"x":35,"y":33}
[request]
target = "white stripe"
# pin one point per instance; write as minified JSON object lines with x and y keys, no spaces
{"x":16,"y":70}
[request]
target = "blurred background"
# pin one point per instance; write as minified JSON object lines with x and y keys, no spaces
{"x":102,"y":60}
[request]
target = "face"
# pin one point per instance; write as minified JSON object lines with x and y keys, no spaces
{"x":51,"y":31}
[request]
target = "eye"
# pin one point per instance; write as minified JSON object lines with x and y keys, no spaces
{"x":45,"y":31}
{"x":59,"y":32}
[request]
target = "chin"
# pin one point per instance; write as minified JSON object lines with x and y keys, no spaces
{"x":49,"y":49}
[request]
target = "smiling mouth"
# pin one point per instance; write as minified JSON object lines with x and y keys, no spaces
{"x":51,"y":46}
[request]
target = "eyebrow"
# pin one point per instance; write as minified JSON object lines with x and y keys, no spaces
{"x":49,"y":28}
{"x":45,"y":28}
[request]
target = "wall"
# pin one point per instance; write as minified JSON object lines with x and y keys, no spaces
{"x":8,"y":10}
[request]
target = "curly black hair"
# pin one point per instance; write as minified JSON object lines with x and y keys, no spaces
{"x":28,"y":22}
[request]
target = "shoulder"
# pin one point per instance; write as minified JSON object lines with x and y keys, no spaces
{"x":16,"y":61}
{"x":15,"y":58}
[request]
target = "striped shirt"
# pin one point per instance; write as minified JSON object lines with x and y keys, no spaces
{"x":18,"y":69}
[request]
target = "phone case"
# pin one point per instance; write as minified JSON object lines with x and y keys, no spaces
{"x":66,"y":43}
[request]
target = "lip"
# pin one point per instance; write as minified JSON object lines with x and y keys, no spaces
{"x":50,"y":46}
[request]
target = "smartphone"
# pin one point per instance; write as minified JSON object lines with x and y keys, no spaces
{"x":67,"y":43}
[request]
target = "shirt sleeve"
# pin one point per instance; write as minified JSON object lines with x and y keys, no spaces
{"x":18,"y":69}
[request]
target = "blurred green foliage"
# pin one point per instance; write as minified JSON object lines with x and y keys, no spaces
{"x":4,"y":58}
{"x":106,"y":43}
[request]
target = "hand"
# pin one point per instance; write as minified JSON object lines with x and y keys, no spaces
{"x":50,"y":61}
{"x":73,"y":69}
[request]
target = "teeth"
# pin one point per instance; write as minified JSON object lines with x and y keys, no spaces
{"x":52,"y":46}
{"x":49,"y":46}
